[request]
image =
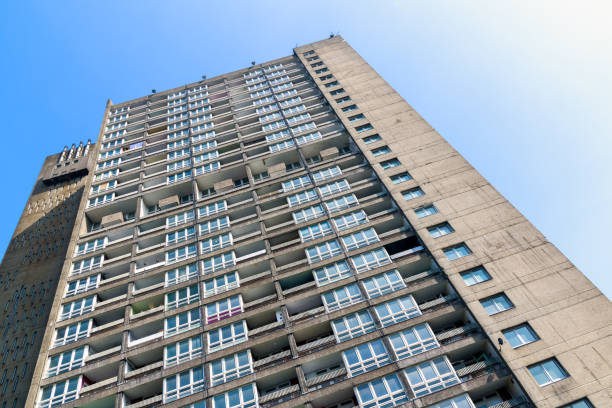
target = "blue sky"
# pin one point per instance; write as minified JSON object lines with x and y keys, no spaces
{"x":522,"y":90}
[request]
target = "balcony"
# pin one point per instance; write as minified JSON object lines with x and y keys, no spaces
{"x":271,"y":354}
{"x":324,"y":371}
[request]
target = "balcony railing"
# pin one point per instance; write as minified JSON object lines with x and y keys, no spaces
{"x":327,"y":379}
{"x":272,"y":360}
{"x":279,"y":396}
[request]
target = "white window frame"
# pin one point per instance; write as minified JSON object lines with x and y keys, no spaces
{"x":215,"y":225}
{"x":82,"y":285}
{"x":219,"y":262}
{"x":211,"y":209}
{"x":181,"y":253}
{"x":82,"y":331}
{"x":182,"y":297}
{"x":440,"y":382}
{"x":360,"y":239}
{"x":341,"y":203}
{"x":180,"y":235}
{"x":331,"y":273}
{"x":369,"y":356}
{"x":213,"y":154}
{"x":59,"y":393}
{"x":383,"y":283}
{"x":301,"y":198}
{"x":183,"y":390}
{"x":251,"y":403}
{"x":177,"y":154}
{"x":231,"y":367}
{"x":101,"y":199}
{"x":315,"y":231}
{"x":215,"y":243}
{"x":177,"y":177}
{"x":277,"y":147}
{"x":412,"y":341}
{"x":192,"y":320}
{"x":460,"y":401}
{"x":350,"y":220}
{"x":77,"y":308}
{"x":334,"y":188}
{"x":178,"y":219}
{"x":390,"y":398}
{"x":283,"y":134}
{"x":343,"y":331}
{"x":221,"y":284}
{"x":296,"y":183}
{"x":235,"y":337}
{"x":66,"y":361}
{"x":184,"y":350}
{"x":322,"y":251}
{"x":341,"y":297}
{"x":181,"y":274}
{"x":370,"y":260}
{"x":408,"y":309}
{"x":307,"y":214}
{"x":224,"y":308}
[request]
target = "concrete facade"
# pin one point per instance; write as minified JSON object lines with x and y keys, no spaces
{"x":265,"y":219}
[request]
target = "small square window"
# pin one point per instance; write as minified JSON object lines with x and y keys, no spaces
{"x":389,"y":164}
{"x":426,"y":211}
{"x":355,"y":118}
{"x":400,"y":178}
{"x":440,"y":230}
{"x":583,"y":403}
{"x":474,"y":276}
{"x":381,"y":150}
{"x":547,"y":372}
{"x":496,"y":304}
{"x":364,"y":128}
{"x":372,"y":139}
{"x":520,"y":335}
{"x":457,"y":251}
{"x":343,"y":99}
{"x":349,"y":108}
{"x":412,"y":193}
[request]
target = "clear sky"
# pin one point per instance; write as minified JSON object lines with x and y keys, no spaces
{"x":522,"y":89}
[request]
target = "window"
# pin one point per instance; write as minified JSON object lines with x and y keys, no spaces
{"x":372,"y":139}
{"x":456,"y":252}
{"x":204,"y":146}
{"x":297,"y":118}
{"x":331,"y":273}
{"x":180,"y":235}
{"x":77,"y":308}
{"x":383,"y":283}
{"x":547,"y":372}
{"x":291,"y":101}
{"x":213,"y":154}
{"x":496,"y":304}
{"x":181,"y":253}
{"x":355,"y":118}
{"x":370,"y":260}
{"x":303,"y":127}
{"x":426,"y":211}
{"x":364,"y":128}
{"x":365,"y":357}
{"x":70,"y":334}
{"x":296,"y":183}
{"x":330,"y":84}
{"x":214,"y":225}
{"x":397,"y":310}
{"x":278,"y":135}
{"x":227,"y":336}
{"x":583,"y":403}
{"x":308,"y":214}
{"x":207,"y":168}
{"x":60,"y":393}
{"x":183,"y":384}
{"x":177,"y":153}
{"x":269,"y":117}
{"x":389,"y":164}
{"x":88,"y":264}
{"x":360,"y":239}
{"x":262,"y":101}
{"x":212,"y":209}
{"x":301,"y":198}
{"x":231,"y":367}
{"x":182,"y":351}
{"x":343,"y":99}
{"x":181,"y":274}
{"x":460,"y":401}
{"x":400,"y":178}
{"x":178,"y":165}
{"x":412,"y":341}
{"x":216,"y":263}
{"x":431,"y":376}
{"x":179,"y":219}
{"x":333,"y":188}
{"x":349,"y":108}
{"x":315,"y":231}
{"x":216,"y":243}
{"x":310,"y":137}
{"x":243,"y":397}
{"x":341,"y":297}
{"x":292,"y":166}
{"x":412,"y":193}
{"x":325,"y":174}
{"x":341,"y":203}
{"x":350,"y":220}
{"x":102,"y":199}
{"x":90,"y":246}
{"x":380,"y":151}
{"x":381,"y":393}
{"x":261,"y":176}
{"x":353,"y":325}
{"x":224,"y":308}
{"x":221,"y":284}
{"x":182,"y":297}
{"x":66,"y":361}
{"x":337,"y":92}
{"x":474,"y":276}
{"x":82,"y":285}
{"x":441,"y":229}
{"x":520,"y":335}
{"x":182,"y":322}
{"x":323,"y":251}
